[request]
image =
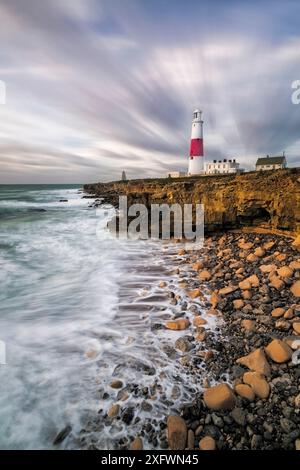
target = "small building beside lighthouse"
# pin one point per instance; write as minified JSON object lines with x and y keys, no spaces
{"x":196,"y":157}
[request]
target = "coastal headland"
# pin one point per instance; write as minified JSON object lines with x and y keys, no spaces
{"x":237,"y":331}
{"x":268,"y":200}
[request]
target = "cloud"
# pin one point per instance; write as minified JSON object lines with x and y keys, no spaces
{"x":97,"y":87}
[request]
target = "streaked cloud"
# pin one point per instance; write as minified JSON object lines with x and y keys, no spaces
{"x":95,"y":87}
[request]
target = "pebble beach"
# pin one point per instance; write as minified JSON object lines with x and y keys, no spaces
{"x":236,"y":340}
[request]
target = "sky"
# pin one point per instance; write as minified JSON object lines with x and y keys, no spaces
{"x":94,"y":87}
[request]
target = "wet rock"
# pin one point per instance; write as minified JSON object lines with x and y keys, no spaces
{"x":184,"y":344}
{"x":204,"y":275}
{"x":207,"y":443}
{"x":146,"y":406}
{"x":162,"y":284}
{"x":113,"y":411}
{"x":220,"y":397}
{"x":137,"y":444}
{"x":116,"y":383}
{"x":62,"y":435}
{"x":197,"y":266}
{"x":214,"y":299}
{"x":180,"y":324}
{"x":177,"y":433}
{"x":128,"y":415}
{"x":194,"y":294}
{"x":199,"y":321}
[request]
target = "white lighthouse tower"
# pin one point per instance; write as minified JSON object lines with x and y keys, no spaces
{"x":196,"y":159}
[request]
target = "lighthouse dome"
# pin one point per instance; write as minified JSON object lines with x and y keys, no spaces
{"x":197,"y":114}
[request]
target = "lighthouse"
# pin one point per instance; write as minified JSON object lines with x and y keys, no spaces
{"x":196,"y":159}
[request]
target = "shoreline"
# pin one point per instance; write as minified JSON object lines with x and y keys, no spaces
{"x":251,"y":391}
{"x":254,"y":281}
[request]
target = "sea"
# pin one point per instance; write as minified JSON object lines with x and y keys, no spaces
{"x":80,"y":308}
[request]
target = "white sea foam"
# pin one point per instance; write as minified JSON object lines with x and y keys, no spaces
{"x":78,"y":310}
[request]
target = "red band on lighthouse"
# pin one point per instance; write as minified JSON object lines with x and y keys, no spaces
{"x":196,"y":148}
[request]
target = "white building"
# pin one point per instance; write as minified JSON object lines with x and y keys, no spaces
{"x":176,"y":174}
{"x":270,"y":163}
{"x":222,"y":167}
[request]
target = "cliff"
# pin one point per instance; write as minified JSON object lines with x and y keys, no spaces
{"x":269,"y":200}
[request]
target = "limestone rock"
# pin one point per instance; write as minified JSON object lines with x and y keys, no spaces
{"x":245,"y":391}
{"x":254,"y":280}
{"x":277,"y":283}
{"x":227,"y":290}
{"x":193,"y":294}
{"x":259,"y":252}
{"x":199,"y":321}
{"x":246,"y":294}
{"x":191,"y":440}
{"x":244,"y":245}
{"x":197,"y":266}
{"x":258,"y":383}
{"x":268,"y":245}
{"x":252,"y":258}
{"x":294,"y":265}
{"x":116,"y":383}
{"x":256,"y":361}
{"x":179,"y":324}
{"x":238,"y":304}
{"x":296,"y":243}
{"x":285,"y":271}
{"x":279,"y":351}
{"x":177,"y":433}
{"x":113,"y":411}
{"x":245,"y":285}
{"x":267,"y":268}
{"x":214,"y":299}
{"x":248,"y":325}
{"x":277,"y":312}
{"x":137,"y":444}
{"x":162,"y":284}
{"x":207,"y":443}
{"x":219,"y":397}
{"x":289,"y":313}
{"x":296,"y":327}
{"x":204,"y":275}
{"x":295,"y":289}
